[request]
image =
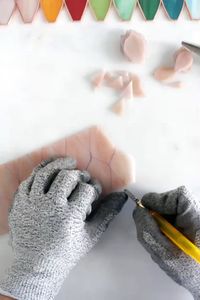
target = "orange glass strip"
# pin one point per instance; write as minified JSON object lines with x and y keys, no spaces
{"x":51,"y":9}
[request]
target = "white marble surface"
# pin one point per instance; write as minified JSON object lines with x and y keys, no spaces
{"x":45,"y":94}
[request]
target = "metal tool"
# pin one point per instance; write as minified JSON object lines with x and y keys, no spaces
{"x":193,"y":48}
{"x":175,"y":236}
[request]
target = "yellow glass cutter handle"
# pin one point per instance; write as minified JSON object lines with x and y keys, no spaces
{"x":176,"y":237}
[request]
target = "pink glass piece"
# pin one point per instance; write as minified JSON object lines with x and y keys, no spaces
{"x":137,"y":86}
{"x":134,"y":46}
{"x":183,"y":60}
{"x":177,"y":84}
{"x":27,"y":9}
{"x":6,"y":10}
{"x":165,"y":75}
{"x":119,"y":173}
{"x":109,"y":76}
{"x":114,"y":82}
{"x":98,"y":79}
{"x":93,"y":152}
{"x":128,"y":91}
{"x":119,"y":107}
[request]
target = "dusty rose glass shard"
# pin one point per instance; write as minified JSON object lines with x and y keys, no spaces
{"x":119,"y":107}
{"x":183,"y":60}
{"x":134,"y":46}
{"x":6,"y":9}
{"x":93,"y":151}
{"x":27,"y":9}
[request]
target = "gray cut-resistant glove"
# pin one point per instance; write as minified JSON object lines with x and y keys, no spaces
{"x":49,"y":233}
{"x":183,"y":211}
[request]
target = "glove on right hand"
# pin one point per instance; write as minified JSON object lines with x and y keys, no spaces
{"x":183,"y":211}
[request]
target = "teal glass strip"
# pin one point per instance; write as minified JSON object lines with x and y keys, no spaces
{"x":173,"y":8}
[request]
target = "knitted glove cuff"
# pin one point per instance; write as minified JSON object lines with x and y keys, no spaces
{"x":27,"y":280}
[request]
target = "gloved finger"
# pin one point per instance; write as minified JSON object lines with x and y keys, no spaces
{"x":43,"y":164}
{"x":178,"y":204}
{"x":44,"y":176}
{"x":65,"y":183}
{"x":26,"y":185}
{"x":149,"y":234}
{"x":109,"y":208}
{"x":83,"y":197}
{"x":197,"y":238}
{"x":170,"y":203}
{"x":95,"y":183}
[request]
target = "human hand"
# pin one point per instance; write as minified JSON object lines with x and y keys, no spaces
{"x":48,"y":228}
{"x":183,"y":211}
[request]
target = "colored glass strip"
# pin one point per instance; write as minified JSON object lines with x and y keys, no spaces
{"x":76,"y":8}
{"x":194,"y":8}
{"x":6,"y":10}
{"x":125,"y":8}
{"x":27,"y":9}
{"x":51,"y":9}
{"x":100,"y":8}
{"x":173,"y":8}
{"x":149,"y":8}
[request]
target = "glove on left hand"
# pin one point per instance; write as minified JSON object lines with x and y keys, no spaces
{"x":48,"y":229}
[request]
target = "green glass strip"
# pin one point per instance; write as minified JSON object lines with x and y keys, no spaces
{"x":149,"y":8}
{"x":125,"y":8}
{"x":100,"y":8}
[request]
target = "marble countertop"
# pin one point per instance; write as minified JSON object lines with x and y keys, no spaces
{"x":45,"y":94}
